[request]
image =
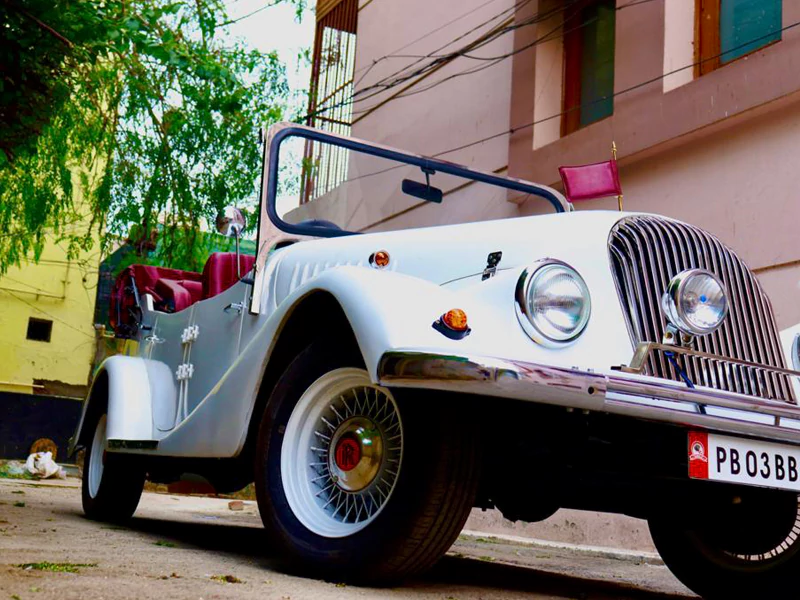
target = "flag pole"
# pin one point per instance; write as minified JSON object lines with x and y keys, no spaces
{"x":614,"y":156}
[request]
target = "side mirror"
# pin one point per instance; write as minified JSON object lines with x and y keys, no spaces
{"x":231,"y":223}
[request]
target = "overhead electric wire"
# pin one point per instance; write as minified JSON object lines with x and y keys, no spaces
{"x":545,"y":38}
{"x":393,"y":53}
{"x":388,"y":82}
{"x":532,"y":20}
{"x":440,"y":60}
{"x":248,"y":15}
{"x":627,"y":90}
{"x":620,"y":92}
{"x":385,"y":84}
{"x":433,"y":54}
{"x":399,"y":77}
{"x":53,"y":317}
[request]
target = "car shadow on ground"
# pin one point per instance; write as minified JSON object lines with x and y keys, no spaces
{"x":465,"y":572}
{"x":252,"y":542}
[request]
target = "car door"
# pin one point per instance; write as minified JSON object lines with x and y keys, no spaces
{"x":217,"y":322}
{"x":163,"y":343}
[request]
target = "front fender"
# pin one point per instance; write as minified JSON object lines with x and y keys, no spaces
{"x":387,"y":310}
{"x":126,"y":388}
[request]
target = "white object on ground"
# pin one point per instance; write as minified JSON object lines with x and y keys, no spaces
{"x":41,"y":464}
{"x":14,"y":467}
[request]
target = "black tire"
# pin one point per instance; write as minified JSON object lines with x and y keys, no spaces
{"x":433,"y":493}
{"x":735,"y":551}
{"x":121,"y":483}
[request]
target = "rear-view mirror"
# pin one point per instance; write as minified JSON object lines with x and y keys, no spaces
{"x":423,"y":191}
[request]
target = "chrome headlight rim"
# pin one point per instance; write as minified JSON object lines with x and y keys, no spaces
{"x":522,"y":308}
{"x":671,"y":305}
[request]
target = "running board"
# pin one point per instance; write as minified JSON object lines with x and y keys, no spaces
{"x":132,"y":444}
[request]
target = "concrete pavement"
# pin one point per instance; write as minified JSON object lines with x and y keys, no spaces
{"x":184,"y":547}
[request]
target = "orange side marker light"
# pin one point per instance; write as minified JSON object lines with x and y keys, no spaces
{"x":453,"y":324}
{"x":379,"y":259}
{"x":455,"y":319}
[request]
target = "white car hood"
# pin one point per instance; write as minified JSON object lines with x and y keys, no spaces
{"x":452,"y":253}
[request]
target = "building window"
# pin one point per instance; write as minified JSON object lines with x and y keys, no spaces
{"x":730,"y":29}
{"x":39,"y":330}
{"x":588,"y":64}
{"x":330,"y":106}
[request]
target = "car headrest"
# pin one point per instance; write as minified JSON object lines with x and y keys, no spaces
{"x":219,"y":272}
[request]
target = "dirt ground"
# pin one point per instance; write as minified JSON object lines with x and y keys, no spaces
{"x":185,"y":547}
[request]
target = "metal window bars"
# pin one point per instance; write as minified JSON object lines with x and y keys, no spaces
{"x":330,"y":107}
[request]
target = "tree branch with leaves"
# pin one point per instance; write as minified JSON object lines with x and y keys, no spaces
{"x":130,"y":114}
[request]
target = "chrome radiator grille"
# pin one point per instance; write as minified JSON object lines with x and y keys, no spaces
{"x":646,"y":252}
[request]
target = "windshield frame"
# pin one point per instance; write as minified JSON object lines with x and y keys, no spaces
{"x":279,"y":132}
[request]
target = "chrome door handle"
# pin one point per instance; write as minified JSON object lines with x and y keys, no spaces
{"x":237,"y":306}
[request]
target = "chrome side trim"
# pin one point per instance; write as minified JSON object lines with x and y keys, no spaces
{"x":625,"y":394}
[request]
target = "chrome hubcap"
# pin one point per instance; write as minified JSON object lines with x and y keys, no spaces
{"x":357,"y":454}
{"x":341,"y":453}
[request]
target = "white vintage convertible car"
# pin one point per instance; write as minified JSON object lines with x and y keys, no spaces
{"x":377,"y":386}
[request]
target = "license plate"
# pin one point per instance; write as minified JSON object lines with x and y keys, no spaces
{"x":748,"y":462}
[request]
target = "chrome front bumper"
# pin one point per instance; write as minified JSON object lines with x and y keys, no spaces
{"x":622,"y":393}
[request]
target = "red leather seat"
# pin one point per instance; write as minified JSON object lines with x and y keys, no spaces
{"x":195,"y":288}
{"x":172,"y":290}
{"x":168,"y":287}
{"x":178,"y":295}
{"x":219,"y":272}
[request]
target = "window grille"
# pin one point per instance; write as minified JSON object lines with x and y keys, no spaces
{"x":330,"y":97}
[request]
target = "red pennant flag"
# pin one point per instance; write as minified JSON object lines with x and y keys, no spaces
{"x":586,"y":182}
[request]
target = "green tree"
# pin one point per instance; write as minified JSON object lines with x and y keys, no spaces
{"x":144,"y":105}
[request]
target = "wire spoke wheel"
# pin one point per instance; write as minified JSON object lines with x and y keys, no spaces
{"x":744,"y":545}
{"x":356,"y":482}
{"x":771,"y":540}
{"x":341,"y":453}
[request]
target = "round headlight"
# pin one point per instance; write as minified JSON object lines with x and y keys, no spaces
{"x":553,"y":303}
{"x":695,"y":302}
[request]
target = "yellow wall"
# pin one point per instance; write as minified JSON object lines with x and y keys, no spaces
{"x":62,"y":291}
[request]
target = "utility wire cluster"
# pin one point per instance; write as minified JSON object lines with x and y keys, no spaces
{"x":403,"y":75}
{"x":437,"y":59}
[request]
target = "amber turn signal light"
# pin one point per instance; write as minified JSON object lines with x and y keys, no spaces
{"x":455,"y":319}
{"x":379,"y":259}
{"x":453,"y":324}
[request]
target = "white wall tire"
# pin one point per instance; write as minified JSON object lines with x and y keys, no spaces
{"x":423,"y":506}
{"x":112,"y":484}
{"x":94,"y":473}
{"x":342,"y":411}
